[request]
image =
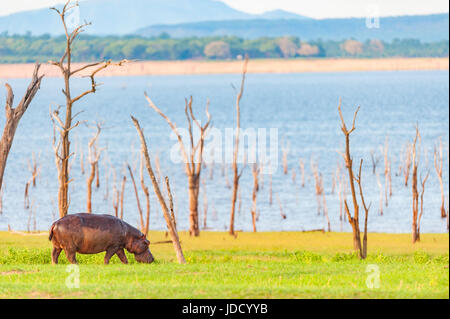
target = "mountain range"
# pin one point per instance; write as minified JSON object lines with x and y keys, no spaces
{"x":121,"y":17}
{"x":426,"y":28}
{"x":186,"y":18}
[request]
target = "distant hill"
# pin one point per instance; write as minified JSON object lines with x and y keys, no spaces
{"x":121,"y":17}
{"x":426,"y":28}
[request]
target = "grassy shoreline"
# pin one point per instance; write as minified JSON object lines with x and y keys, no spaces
{"x":187,"y":67}
{"x":253,"y":265}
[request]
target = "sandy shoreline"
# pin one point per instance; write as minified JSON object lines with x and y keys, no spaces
{"x":255,"y":66}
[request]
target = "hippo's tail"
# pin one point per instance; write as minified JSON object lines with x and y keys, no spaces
{"x":50,"y":236}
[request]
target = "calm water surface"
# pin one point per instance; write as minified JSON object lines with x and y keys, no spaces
{"x":302,"y":106}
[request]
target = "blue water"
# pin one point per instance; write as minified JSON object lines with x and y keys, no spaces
{"x":303,"y":107}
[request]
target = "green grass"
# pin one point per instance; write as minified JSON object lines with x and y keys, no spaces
{"x":261,"y":265}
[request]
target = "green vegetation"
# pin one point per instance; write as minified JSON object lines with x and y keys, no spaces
{"x":254,"y":265}
{"x":27,"y":48}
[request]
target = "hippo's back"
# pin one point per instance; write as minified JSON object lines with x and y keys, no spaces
{"x":88,"y":233}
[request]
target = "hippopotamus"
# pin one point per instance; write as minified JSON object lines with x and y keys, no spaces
{"x":94,"y":233}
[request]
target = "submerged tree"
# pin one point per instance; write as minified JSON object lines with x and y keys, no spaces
{"x":415,"y":193}
{"x":13,"y":116}
{"x":62,"y":147}
{"x":94,"y":157}
{"x":193,"y":159}
{"x":236,"y":174}
{"x":438,"y":163}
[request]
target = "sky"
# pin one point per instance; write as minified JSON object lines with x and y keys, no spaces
{"x":318,"y":9}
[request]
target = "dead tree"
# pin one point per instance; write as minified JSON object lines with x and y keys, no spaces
{"x":285,"y":152}
{"x":387,"y":173}
{"x":236,"y":174}
{"x":192,"y":160}
{"x":146,"y":193}
{"x":205,"y":203}
{"x":380,"y":187}
{"x":353,"y":220}
{"x":94,"y":156}
{"x":325,"y":208}
{"x":422,"y":183}
{"x":62,"y":151}
{"x":34,"y":168}
{"x":407,"y":165}
{"x":168,"y":215}
{"x":26,"y":196}
{"x":438,"y":163}
{"x":270,"y":188}
{"x":81,"y":160}
{"x":340,"y":190}
{"x":283,"y":215}
{"x":415,"y":193}
{"x":138,"y":202}
{"x":363,"y":253}
{"x":302,"y":171}
{"x":318,"y":184}
{"x":122,"y":194}
{"x":116,"y":193}
{"x":13,"y":116}
{"x":375,"y":160}
{"x":255,"y":173}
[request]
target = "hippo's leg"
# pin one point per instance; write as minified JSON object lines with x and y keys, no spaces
{"x":71,"y":256}
{"x":121,"y":254}
{"x":109,"y":253}
{"x":55,"y":254}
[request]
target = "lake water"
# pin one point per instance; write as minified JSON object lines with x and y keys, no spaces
{"x":303,"y":107}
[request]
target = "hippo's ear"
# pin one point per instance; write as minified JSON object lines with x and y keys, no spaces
{"x":147,"y":242}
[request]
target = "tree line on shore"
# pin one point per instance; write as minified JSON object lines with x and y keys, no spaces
{"x":28,"y":48}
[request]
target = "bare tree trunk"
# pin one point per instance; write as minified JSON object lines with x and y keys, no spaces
{"x":193,"y":182}
{"x":353,"y":220}
{"x":285,"y":152}
{"x":13,"y":116}
{"x":380,"y":187}
{"x":141,"y":217}
{"x":236,"y":175}
{"x":193,"y":161}
{"x":375,"y":160}
{"x":147,"y":195}
{"x":255,"y":172}
{"x":407,"y":166}
{"x":415,"y":194}
{"x":62,"y":148}
{"x":422,"y":182}
{"x":438,"y":163}
{"x":34,"y":169}
{"x":270,"y":189}
{"x":97,"y":176}
{"x":363,"y":252}
{"x":283,"y":215}
{"x":89,"y":188}
{"x":94,"y":156}
{"x":302,"y":170}
{"x":387,"y":173}
{"x":319,"y":188}
{"x":122,"y":194}
{"x":170,"y":221}
{"x":205,"y":204}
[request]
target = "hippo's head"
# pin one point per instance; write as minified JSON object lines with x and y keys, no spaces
{"x":139,"y":247}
